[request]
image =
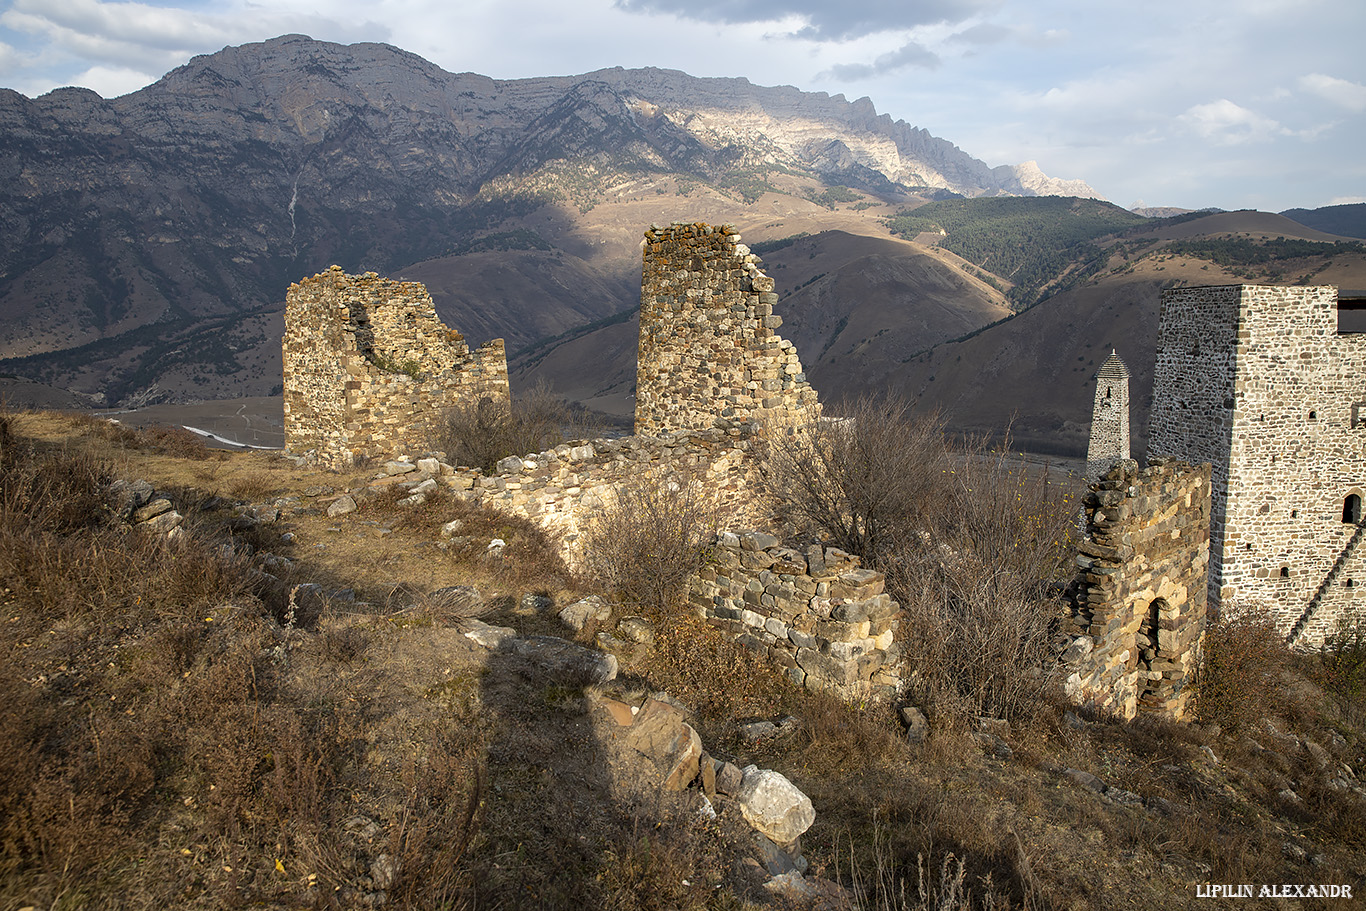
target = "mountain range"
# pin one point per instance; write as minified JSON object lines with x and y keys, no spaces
{"x":146,"y":241}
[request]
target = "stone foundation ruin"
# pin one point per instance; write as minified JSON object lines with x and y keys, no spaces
{"x":369,"y":368}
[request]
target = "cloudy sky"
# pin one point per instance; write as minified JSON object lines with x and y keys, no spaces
{"x":1229,"y":103}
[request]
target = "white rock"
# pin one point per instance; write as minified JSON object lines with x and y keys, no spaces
{"x":774,"y":806}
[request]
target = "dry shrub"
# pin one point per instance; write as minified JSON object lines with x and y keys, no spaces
{"x":1237,"y":680}
{"x":479,"y":434}
{"x":1342,"y":667}
{"x":864,"y":478}
{"x":651,"y":537}
{"x":713,"y":674}
{"x":973,"y":542}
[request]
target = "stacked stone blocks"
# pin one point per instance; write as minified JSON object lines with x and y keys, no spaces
{"x":708,"y":349}
{"x":369,"y":367}
{"x":816,"y":612}
{"x":1139,"y":599}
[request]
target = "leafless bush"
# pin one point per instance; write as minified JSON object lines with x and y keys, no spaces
{"x":1242,"y":658}
{"x":864,"y":477}
{"x":972,"y":541}
{"x":647,"y":541}
{"x":480,"y":433}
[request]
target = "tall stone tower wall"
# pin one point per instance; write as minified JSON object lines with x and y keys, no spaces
{"x":1258,"y":381}
{"x":708,"y":348}
{"x":369,"y":367}
{"x":1109,"y":441}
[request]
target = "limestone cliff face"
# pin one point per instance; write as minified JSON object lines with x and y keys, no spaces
{"x":154,"y":233}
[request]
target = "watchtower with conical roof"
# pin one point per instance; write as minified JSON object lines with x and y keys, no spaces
{"x":1109,"y":418}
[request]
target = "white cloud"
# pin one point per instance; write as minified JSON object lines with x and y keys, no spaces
{"x":112,"y":81}
{"x":910,"y":54}
{"x":1350,"y":95}
{"x":1226,"y":123}
{"x":823,"y":21}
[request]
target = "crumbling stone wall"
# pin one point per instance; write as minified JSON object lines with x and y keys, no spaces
{"x":565,"y":489}
{"x":708,"y":349}
{"x":816,"y":613}
{"x":369,"y":367}
{"x":1258,"y":381}
{"x":1139,"y":599}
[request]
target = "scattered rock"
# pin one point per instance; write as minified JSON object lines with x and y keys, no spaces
{"x":451,"y":527}
{"x":363,"y":826}
{"x":163,"y":522}
{"x":535,"y":604}
{"x":384,"y":872}
{"x":566,"y":662}
{"x":151,"y":510}
{"x":1086,"y":780}
{"x":341,"y":506}
{"x":496,"y":547}
{"x":774,"y":806}
{"x":395,"y":468}
{"x":490,"y":637}
{"x":578,"y":614}
{"x":637,"y":629}
{"x":728,"y":778}
{"x":660,"y":733}
{"x":917,"y":728}
{"x":777,"y":859}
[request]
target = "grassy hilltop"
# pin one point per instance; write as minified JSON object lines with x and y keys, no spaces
{"x":183,"y":725}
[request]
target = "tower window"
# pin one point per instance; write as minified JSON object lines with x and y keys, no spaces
{"x":1351,"y":509}
{"x":1285,"y":572}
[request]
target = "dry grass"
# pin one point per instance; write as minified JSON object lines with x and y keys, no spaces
{"x":173,"y":736}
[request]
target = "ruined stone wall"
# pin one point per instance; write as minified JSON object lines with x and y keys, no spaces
{"x":708,"y":349}
{"x":1109,"y":439}
{"x":1257,"y":380}
{"x":369,"y":367}
{"x":816,"y":613}
{"x":1139,"y":600}
{"x":565,"y":489}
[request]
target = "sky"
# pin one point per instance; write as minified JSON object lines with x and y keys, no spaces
{"x":1235,"y":104}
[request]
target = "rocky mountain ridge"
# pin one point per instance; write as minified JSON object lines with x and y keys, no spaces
{"x":146,"y":240}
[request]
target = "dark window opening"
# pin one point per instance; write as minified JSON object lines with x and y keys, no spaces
{"x":1351,"y":312}
{"x":1285,"y":572}
{"x":1313,"y":415}
{"x":1294,"y":513}
{"x":1351,"y":509}
{"x":1350,"y":583}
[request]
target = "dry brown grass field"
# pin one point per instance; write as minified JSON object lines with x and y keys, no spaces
{"x":181,"y":728}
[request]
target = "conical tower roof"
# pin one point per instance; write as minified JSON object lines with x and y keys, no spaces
{"x":1113,"y":368}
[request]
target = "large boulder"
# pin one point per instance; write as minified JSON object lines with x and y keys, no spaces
{"x":774,"y":806}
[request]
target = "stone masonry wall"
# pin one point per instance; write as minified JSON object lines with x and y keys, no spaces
{"x":708,"y":349}
{"x":815,"y":613}
{"x":565,"y":489}
{"x":369,"y":367}
{"x":1258,"y":381}
{"x":1138,"y":610}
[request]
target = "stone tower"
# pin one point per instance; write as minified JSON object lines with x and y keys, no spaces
{"x":1109,"y":419}
{"x":1261,"y":382}
{"x":708,"y":349}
